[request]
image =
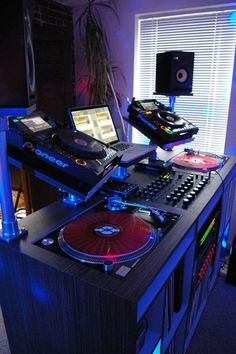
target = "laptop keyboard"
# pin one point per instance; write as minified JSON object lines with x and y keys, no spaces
{"x":122,"y":146}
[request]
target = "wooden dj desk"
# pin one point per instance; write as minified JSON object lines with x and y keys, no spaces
{"x":54,"y":304}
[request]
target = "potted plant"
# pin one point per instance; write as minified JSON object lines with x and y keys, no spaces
{"x":99,"y":82}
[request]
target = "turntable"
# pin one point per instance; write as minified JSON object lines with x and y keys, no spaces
{"x":198,"y":161}
{"x":111,"y":241}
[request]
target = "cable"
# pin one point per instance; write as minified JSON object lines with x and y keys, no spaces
{"x":223,"y":183}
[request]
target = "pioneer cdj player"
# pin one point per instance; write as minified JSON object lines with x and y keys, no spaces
{"x":161,"y":126}
{"x":70,"y":158}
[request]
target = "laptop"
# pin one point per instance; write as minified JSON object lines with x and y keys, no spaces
{"x":97,"y":122}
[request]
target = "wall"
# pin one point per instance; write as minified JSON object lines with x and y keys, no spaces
{"x":121,"y":39}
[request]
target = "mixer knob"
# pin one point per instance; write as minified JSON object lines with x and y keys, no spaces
{"x":175,"y":200}
{"x":178,"y":195}
{"x":196,"y":190}
{"x":190,"y":197}
{"x":168,"y":198}
{"x":193,"y":193}
{"x":186,"y":202}
{"x":199,"y":186}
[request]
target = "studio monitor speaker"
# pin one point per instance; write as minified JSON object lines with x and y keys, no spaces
{"x":174,"y":73}
{"x":17,"y":68}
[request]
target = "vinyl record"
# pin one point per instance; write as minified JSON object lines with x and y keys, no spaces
{"x":196,"y":162}
{"x":102,"y":236}
{"x":171,"y":119}
{"x":79,"y":144}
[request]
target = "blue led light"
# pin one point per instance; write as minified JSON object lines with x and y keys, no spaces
{"x":40,"y":292}
{"x":232,"y":18}
{"x":225,"y":236}
{"x":157,"y":349}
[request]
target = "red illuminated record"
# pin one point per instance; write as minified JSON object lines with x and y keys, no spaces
{"x":100,"y":236}
{"x":196,"y":162}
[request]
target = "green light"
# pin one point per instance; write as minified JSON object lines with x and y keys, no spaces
{"x":207,"y":232}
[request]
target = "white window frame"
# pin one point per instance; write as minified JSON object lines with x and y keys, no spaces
{"x":210,"y":146}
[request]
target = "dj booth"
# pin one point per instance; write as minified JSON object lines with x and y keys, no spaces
{"x":126,"y":270}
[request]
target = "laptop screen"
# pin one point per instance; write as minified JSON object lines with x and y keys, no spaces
{"x":96,"y":122}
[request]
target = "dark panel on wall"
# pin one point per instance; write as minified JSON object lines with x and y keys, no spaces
{"x":17,"y":69}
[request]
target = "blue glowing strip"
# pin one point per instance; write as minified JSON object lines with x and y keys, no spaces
{"x":22,"y":111}
{"x":225,"y":235}
{"x":157,"y":349}
{"x":147,"y":122}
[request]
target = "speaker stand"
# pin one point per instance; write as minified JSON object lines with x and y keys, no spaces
{"x":172,"y":100}
{"x":10,"y":229}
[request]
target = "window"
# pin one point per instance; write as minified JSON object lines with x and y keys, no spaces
{"x":211,"y":35}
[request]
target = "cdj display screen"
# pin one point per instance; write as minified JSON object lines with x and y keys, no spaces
{"x":36,"y":124}
{"x":149,"y":106}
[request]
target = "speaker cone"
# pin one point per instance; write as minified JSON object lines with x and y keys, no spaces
{"x":181,"y":75}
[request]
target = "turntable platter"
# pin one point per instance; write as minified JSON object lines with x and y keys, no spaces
{"x":171,"y":119}
{"x":80,"y":144}
{"x":102,"y":236}
{"x":196,"y":162}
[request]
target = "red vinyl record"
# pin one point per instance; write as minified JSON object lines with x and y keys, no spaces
{"x":100,"y":236}
{"x":196,"y":162}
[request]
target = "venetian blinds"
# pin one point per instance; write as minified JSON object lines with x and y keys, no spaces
{"x":212,"y":37}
